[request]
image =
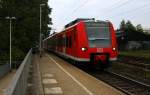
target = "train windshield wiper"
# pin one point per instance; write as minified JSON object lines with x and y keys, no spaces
{"x":98,"y":38}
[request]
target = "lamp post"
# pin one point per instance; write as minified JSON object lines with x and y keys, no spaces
{"x":40,"y":38}
{"x":10,"y":27}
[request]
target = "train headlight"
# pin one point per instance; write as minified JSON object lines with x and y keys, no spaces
{"x":84,"y":49}
{"x":114,"y":49}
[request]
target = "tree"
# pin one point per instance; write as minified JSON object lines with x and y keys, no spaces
{"x":139,"y":28}
{"x":122,"y":25}
{"x":130,"y":26}
{"x":26,"y":26}
{"x":134,"y":33}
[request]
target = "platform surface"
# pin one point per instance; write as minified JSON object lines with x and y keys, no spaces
{"x":4,"y":81}
{"x":54,"y":76}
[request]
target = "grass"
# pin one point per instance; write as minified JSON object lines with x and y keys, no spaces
{"x":137,"y":53}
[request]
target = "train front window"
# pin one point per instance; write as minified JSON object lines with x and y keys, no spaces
{"x":98,"y":34}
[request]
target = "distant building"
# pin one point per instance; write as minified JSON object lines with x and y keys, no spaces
{"x":137,"y":45}
{"x":147,"y":30}
{"x":118,"y":33}
{"x":121,"y":35}
{"x":133,"y":45}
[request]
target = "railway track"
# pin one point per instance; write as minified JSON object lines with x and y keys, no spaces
{"x":139,"y":62}
{"x":127,"y":85}
{"x":140,"y":65}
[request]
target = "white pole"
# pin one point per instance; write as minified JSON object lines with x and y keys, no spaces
{"x":40,"y":29}
{"x":10,"y":42}
{"x":10,"y":50}
{"x":40,"y":38}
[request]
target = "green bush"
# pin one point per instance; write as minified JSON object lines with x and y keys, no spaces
{"x":4,"y":56}
{"x":17,"y":54}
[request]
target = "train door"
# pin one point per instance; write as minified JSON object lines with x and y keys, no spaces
{"x":55,"y":43}
{"x":74,"y":42}
{"x":64,"y":43}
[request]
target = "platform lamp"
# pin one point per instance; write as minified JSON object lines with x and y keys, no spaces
{"x":10,"y":27}
{"x":40,"y":38}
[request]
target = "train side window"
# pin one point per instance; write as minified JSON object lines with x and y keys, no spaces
{"x":58,"y":42}
{"x":74,"y":31}
{"x":61,"y":42}
{"x":66,"y":41}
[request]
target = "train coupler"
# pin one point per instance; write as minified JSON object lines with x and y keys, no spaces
{"x":101,"y":59}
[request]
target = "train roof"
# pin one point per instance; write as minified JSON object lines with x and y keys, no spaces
{"x":50,"y":36}
{"x":72,"y":23}
{"x":78,"y":20}
{"x":82,"y":19}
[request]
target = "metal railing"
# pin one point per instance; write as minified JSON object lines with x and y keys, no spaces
{"x":18,"y":84}
{"x":4,"y":69}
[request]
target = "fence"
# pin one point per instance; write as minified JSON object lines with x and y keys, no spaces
{"x":18,"y":84}
{"x":4,"y":69}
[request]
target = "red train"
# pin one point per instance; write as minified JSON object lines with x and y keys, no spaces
{"x":85,"y":41}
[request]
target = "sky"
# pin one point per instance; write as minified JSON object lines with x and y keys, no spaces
{"x":65,"y":11}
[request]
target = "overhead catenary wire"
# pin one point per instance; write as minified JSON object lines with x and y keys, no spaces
{"x":121,"y":5}
{"x":76,"y":9}
{"x":135,"y":16}
{"x":86,"y":1}
{"x":131,"y":11}
{"x":110,"y":10}
{"x":82,"y":5}
{"x":113,"y":6}
{"x":128,"y":11}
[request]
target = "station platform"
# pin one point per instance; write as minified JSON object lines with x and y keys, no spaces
{"x":4,"y":81}
{"x":51,"y":75}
